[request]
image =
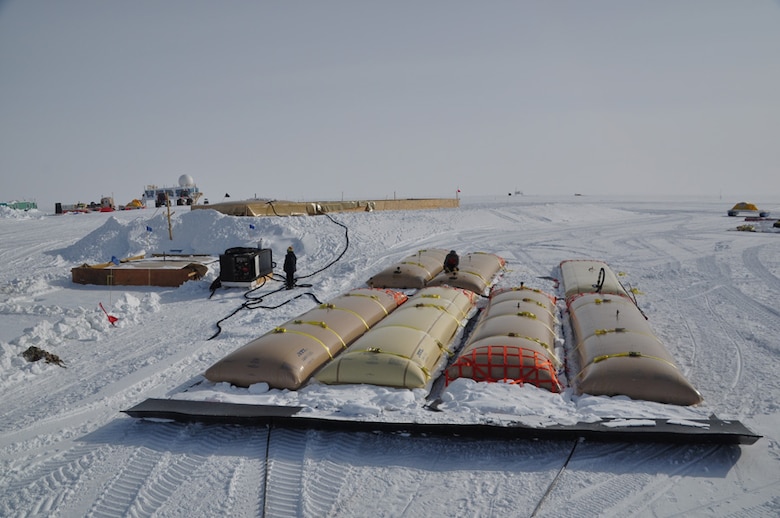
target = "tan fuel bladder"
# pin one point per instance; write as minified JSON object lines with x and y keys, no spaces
{"x":585,"y":276}
{"x":412,"y":272}
{"x":475,"y":273}
{"x":286,"y":356}
{"x":513,"y":342}
{"x":404,"y":349}
{"x":620,"y":355}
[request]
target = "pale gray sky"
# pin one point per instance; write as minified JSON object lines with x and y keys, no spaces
{"x":368,"y":99}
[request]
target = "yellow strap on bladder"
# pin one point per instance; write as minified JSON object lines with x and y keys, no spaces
{"x":528,"y":314}
{"x":429,"y":305}
{"x":521,"y":288}
{"x":323,"y":325}
{"x":285,"y":330}
{"x":405,"y":326}
{"x":524,"y":314}
{"x":476,"y":274}
{"x":333,"y":306}
{"x":544,"y":307}
{"x":549,"y":349}
{"x":532,"y":301}
{"x":600,"y":332}
{"x":440,"y":345}
{"x":627,"y":354}
{"x":417,"y":264}
{"x":370,"y":297}
{"x":535,"y":340}
{"x":617,"y":299}
{"x":607,"y":331}
{"x":442,"y":309}
{"x":435,"y":296}
{"x":378,"y":350}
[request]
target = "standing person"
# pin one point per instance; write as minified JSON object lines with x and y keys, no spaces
{"x":451,"y":262}
{"x":290,"y":266}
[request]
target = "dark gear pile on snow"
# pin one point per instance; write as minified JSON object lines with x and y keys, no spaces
{"x":33,"y":354}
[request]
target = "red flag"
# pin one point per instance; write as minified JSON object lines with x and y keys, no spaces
{"x":111,"y":318}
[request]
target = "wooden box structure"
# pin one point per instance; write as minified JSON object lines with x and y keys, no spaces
{"x":158,"y":270}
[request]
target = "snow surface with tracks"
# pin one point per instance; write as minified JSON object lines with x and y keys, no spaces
{"x":710,"y":294}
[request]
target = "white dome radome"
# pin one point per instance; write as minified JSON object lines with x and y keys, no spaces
{"x":186,"y":180}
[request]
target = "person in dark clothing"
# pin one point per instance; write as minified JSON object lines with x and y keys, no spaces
{"x":290,"y":266}
{"x":451,"y":262}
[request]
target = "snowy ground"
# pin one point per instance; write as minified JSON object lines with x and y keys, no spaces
{"x":66,"y":450}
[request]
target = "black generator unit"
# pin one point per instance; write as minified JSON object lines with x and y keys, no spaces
{"x":241,"y":266}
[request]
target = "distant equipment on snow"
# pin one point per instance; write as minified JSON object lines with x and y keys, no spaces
{"x":186,"y":180}
{"x":747,"y":209}
{"x":187,"y":193}
{"x":19,"y":205}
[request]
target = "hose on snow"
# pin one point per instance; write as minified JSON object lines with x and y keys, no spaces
{"x":252,"y":302}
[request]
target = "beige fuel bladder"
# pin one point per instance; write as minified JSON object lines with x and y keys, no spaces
{"x":475,"y":273}
{"x":413,"y":272}
{"x":287,"y":356}
{"x":585,"y":276}
{"x":524,"y":293}
{"x":620,"y":355}
{"x":404,"y":349}
{"x":513,"y":341}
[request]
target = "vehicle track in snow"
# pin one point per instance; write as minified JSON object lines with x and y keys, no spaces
{"x":747,"y":350}
{"x":131,"y":373}
{"x":162,"y":466}
{"x":31,"y":430}
{"x":286,"y":455}
{"x":324,"y":472}
{"x":345,"y":470}
{"x":770,"y":282}
{"x":642,"y":484}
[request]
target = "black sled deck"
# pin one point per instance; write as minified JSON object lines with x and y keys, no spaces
{"x":697,"y":431}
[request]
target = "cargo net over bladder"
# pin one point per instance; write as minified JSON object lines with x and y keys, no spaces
{"x":512,"y":342}
{"x":507,"y":364}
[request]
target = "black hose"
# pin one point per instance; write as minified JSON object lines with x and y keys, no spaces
{"x":255,"y":302}
{"x":555,"y":480}
{"x":600,"y":280}
{"x":337,"y":259}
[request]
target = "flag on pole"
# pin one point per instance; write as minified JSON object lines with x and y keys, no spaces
{"x":148,"y":228}
{"x":111,"y":318}
{"x":115,"y":260}
{"x":251,"y":226}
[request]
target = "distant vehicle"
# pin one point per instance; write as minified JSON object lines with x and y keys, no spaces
{"x":187,"y":193}
{"x":746,"y":209}
{"x":106,"y":205}
{"x":134,"y":204}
